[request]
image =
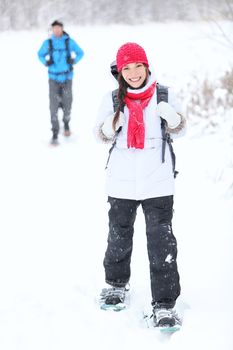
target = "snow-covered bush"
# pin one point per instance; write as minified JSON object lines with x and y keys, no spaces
{"x":208,"y":104}
{"x":227,"y":84}
{"x":209,"y":101}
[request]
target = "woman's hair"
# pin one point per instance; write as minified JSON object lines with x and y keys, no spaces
{"x":122,"y":91}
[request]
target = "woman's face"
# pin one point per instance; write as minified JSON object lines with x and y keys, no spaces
{"x":134,"y":74}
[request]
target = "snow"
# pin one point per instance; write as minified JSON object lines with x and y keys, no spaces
{"x":168,"y":259}
{"x":54,"y":210}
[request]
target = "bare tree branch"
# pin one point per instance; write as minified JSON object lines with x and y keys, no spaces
{"x":228,"y":40}
{"x":229,"y":8}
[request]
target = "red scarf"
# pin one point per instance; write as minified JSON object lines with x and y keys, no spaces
{"x":136,"y":103}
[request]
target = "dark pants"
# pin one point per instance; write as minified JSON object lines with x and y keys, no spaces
{"x":60,"y":95}
{"x":161,"y":246}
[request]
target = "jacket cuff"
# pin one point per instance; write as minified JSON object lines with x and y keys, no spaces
{"x":180,"y":127}
{"x":102,"y":136}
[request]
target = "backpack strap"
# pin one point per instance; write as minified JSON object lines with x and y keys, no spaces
{"x":67,"y":44}
{"x":162,"y":95}
{"x":115,"y":102}
{"x":50,"y":47}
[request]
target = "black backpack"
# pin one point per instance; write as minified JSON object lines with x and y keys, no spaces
{"x":67,"y":43}
{"x":162,"y":95}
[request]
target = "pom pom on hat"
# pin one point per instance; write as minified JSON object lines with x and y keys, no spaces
{"x":130,"y":53}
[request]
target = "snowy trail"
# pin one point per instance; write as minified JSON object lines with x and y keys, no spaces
{"x":54,"y":217}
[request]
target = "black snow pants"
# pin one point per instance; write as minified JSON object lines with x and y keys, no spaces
{"x":161,"y":246}
{"x":60,"y":95}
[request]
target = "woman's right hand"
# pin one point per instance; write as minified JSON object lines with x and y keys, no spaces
{"x":107,"y":127}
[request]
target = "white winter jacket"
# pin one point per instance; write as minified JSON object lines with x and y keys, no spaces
{"x":139,"y":173}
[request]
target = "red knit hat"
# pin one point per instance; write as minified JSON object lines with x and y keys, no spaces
{"x":130,"y":53}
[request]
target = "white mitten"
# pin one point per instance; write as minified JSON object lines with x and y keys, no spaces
{"x":107,"y":127}
{"x":169,"y":114}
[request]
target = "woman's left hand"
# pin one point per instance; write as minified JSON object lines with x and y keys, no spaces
{"x":169,"y":114}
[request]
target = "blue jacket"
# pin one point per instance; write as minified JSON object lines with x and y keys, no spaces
{"x":60,"y":70}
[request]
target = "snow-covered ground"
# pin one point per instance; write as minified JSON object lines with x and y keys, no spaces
{"x":53,"y":226}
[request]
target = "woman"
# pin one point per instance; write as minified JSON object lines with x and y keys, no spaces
{"x":137,"y":175}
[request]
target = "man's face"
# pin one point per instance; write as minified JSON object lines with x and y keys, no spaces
{"x":57,"y":31}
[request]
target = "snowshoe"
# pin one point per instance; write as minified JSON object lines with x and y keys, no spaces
{"x":165,"y":319}
{"x":113,"y":298}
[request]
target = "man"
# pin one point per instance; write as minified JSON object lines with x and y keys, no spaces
{"x":59,"y":54}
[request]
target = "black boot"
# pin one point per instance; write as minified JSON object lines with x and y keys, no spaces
{"x":113,"y":298}
{"x":54,"y":140}
{"x":113,"y":295}
{"x":66,"y":129}
{"x":165,"y":316}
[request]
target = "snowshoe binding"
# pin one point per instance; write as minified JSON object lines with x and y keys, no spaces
{"x":113,"y":298}
{"x":166,"y":319}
